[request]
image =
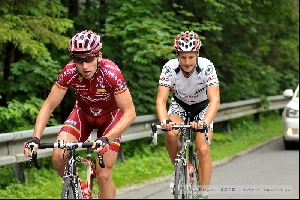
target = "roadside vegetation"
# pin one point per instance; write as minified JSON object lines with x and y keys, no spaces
{"x":143,"y":161}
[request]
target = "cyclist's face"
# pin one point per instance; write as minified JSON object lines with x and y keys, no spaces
{"x":87,"y":65}
{"x":187,"y":60}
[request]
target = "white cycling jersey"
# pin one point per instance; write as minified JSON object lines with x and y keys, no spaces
{"x":193,"y":89}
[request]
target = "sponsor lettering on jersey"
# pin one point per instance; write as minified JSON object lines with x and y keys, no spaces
{"x":71,"y":122}
{"x":191,"y":96}
{"x":100,"y":90}
{"x":80,"y":77}
{"x":163,"y":78}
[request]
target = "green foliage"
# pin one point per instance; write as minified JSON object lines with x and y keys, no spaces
{"x":7,"y":176}
{"x":88,"y":12}
{"x":28,"y":78}
{"x":259,"y":39}
{"x":29,"y":25}
{"x":19,"y":116}
{"x":245,"y":72}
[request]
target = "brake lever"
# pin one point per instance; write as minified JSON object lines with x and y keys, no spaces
{"x":33,"y":156}
{"x":154,"y":133}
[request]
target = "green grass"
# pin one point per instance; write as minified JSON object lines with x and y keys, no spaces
{"x":143,"y":160}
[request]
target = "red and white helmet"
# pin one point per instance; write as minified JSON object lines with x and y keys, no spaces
{"x":187,"y":41}
{"x":85,"y":42}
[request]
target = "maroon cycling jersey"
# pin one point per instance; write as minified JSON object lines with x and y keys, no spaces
{"x":95,"y":96}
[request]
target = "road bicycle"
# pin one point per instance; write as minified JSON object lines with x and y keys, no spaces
{"x":186,"y":163}
{"x":73,"y":186}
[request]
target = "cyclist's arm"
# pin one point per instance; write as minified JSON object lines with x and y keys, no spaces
{"x":213,"y":95}
{"x":161,"y":102}
{"x":125,"y":104}
{"x":53,"y":100}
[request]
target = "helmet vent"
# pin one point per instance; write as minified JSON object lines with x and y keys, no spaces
{"x":92,"y":44}
{"x":86,"y":43}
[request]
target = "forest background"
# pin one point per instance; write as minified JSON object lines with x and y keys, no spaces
{"x":254,"y":45}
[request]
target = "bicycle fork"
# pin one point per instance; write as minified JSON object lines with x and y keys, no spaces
{"x":87,"y":186}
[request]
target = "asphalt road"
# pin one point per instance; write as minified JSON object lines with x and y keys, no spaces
{"x":267,"y":171}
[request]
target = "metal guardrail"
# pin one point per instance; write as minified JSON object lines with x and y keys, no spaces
{"x":11,"y":144}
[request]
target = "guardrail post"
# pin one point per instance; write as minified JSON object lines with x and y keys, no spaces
{"x":225,"y":126}
{"x":280,"y":112}
{"x":18,"y":169}
{"x":256,"y":117}
{"x":120,"y":156}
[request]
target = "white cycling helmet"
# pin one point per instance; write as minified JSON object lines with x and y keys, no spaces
{"x":187,"y":41}
{"x":85,"y":42}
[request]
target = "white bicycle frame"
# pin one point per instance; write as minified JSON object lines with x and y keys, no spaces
{"x":89,"y":172}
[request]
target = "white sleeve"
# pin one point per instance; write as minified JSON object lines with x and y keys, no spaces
{"x":211,"y":77}
{"x":166,"y":76}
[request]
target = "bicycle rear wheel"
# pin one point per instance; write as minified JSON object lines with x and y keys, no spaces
{"x":181,"y":181}
{"x":69,"y":190}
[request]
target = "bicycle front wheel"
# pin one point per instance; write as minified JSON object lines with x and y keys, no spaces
{"x":69,"y":190}
{"x":195,"y":178}
{"x":181,"y":181}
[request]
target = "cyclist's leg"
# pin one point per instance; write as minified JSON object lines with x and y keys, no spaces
{"x":205,"y":163}
{"x":76,"y":128}
{"x":176,"y":114}
{"x":59,"y":156}
{"x":203,"y":152}
{"x":171,"y":142}
{"x":107,"y":189}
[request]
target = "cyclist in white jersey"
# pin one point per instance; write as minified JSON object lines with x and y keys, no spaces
{"x":195,"y":86}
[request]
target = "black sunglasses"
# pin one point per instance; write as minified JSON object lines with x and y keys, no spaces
{"x":87,"y":59}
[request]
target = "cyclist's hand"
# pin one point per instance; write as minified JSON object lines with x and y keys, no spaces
{"x":35,"y":142}
{"x":101,"y":145}
{"x":197,"y":124}
{"x":167,"y":124}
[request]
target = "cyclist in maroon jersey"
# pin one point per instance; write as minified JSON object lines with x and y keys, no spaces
{"x":103,"y":102}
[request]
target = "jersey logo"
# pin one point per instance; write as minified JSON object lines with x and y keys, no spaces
{"x":101,"y":90}
{"x":209,"y":70}
{"x":80,"y":77}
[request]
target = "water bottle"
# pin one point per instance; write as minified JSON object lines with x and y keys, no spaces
{"x":191,"y":171}
{"x":85,"y":190}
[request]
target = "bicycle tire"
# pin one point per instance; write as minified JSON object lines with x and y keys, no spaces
{"x":181,"y":181}
{"x":195,"y":182}
{"x":68,"y":190}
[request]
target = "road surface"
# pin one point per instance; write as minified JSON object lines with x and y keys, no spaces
{"x":267,"y":171}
